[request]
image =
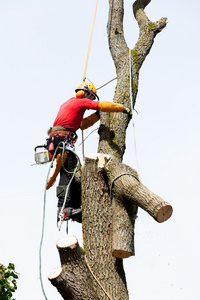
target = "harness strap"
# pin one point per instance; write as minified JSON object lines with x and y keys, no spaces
{"x":68,"y":135}
{"x":60,"y":132}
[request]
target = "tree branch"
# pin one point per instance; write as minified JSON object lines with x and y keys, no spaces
{"x":115,"y":32}
{"x":129,"y":189}
{"x":113,"y":142}
{"x":124,"y":216}
{"x":148,"y":31}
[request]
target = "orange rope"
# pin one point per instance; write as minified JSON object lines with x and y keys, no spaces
{"x":84,"y":75}
{"x":97,"y":279}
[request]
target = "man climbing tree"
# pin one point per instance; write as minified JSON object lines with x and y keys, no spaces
{"x":110,"y":190}
{"x":68,"y":120}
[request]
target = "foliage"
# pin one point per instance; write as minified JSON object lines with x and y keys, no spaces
{"x":8,"y":283}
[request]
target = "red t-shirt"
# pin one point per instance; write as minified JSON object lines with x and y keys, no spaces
{"x":71,"y":112}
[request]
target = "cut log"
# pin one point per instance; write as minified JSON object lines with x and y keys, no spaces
{"x":124,"y":184}
{"x":123,"y":229}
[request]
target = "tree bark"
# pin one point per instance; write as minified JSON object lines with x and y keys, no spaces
{"x":97,"y":231}
{"x":113,"y":126}
{"x":110,"y":190}
{"x":73,"y":280}
{"x":123,"y":233}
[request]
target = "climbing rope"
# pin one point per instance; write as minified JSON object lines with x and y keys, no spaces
{"x":43,"y":225}
{"x":60,"y":146}
{"x":131,"y":100}
{"x":90,"y":41}
{"x":83,"y":148}
{"x":86,"y":64}
{"x":97,"y":279}
{"x":106,"y":83}
{"x":83,"y":140}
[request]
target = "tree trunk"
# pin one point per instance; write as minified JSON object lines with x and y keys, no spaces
{"x":97,"y":231}
{"x":111,"y":191}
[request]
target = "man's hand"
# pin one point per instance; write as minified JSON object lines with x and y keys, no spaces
{"x":127,"y":111}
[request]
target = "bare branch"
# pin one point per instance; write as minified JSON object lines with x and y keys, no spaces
{"x":148,"y":31}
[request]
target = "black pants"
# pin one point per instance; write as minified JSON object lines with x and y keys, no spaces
{"x":65,"y":178}
{"x":66,"y":173}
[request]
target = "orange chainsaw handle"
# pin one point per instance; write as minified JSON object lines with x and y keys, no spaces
{"x":58,"y":167}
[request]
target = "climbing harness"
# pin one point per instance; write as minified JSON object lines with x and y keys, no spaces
{"x":46,"y":155}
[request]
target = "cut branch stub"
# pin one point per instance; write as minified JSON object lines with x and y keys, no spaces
{"x":73,"y":279}
{"x":129,"y":189}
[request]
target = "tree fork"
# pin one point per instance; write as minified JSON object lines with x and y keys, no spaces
{"x":114,"y":142}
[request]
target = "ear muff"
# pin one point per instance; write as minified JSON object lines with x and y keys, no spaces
{"x":80,"y":93}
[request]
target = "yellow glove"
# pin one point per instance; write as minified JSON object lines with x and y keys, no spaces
{"x":107,"y":106}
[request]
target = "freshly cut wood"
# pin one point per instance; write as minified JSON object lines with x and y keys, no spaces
{"x":72,"y":279}
{"x":68,"y":242}
{"x":164,"y":213}
{"x":102,"y":159}
{"x":54,"y":274}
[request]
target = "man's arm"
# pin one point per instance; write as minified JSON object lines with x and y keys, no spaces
{"x":107,"y":106}
{"x":89,"y":121}
{"x":104,"y":106}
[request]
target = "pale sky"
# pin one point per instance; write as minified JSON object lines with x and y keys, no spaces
{"x":42,"y":59}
